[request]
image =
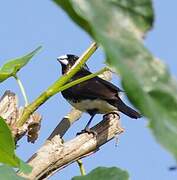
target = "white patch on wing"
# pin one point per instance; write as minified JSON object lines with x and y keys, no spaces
{"x":102,"y":106}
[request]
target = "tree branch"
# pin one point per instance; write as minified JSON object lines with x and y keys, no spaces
{"x":10,"y":111}
{"x":66,"y":123}
{"x":54,"y":155}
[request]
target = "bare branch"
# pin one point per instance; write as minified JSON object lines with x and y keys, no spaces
{"x":10,"y":111}
{"x":54,"y":155}
{"x":66,"y":123}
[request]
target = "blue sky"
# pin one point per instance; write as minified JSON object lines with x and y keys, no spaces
{"x":28,"y":24}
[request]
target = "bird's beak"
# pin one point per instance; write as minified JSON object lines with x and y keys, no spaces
{"x":58,"y":59}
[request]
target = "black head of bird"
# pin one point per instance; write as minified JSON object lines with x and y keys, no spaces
{"x":94,"y":96}
{"x":67,"y":61}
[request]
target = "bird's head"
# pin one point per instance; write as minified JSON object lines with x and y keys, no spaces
{"x":67,"y":61}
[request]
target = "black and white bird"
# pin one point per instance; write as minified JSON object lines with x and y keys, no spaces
{"x":94,"y":96}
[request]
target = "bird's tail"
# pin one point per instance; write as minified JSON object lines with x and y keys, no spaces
{"x":122,"y":107}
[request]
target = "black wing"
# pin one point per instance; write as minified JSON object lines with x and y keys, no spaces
{"x":97,"y":88}
{"x":91,"y":89}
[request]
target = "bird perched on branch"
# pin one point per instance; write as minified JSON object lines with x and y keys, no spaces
{"x":94,"y":96}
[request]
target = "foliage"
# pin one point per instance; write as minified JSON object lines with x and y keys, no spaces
{"x":119,"y":25}
{"x":8,"y":173}
{"x":104,"y":173}
{"x":11,"y":67}
{"x":7,"y":149}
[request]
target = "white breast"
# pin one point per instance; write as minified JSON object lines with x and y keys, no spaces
{"x":102,"y":106}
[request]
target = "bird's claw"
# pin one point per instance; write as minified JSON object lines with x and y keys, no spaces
{"x":114,"y":114}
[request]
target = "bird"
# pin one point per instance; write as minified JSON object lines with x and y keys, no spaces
{"x":94,"y":96}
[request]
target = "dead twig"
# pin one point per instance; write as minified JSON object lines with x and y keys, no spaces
{"x":10,"y":111}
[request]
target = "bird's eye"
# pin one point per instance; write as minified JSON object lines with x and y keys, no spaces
{"x":63,"y":61}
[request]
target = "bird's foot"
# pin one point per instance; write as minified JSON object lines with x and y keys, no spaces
{"x":87,"y":130}
{"x":109,"y":115}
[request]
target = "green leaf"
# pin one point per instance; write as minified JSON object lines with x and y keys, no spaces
{"x":13,"y":66}
{"x":65,"y":5}
{"x":25,"y":168}
{"x":7,"y":173}
{"x":103,"y":173}
{"x":7,"y":146}
{"x":7,"y":149}
{"x":119,"y":25}
{"x":137,"y":14}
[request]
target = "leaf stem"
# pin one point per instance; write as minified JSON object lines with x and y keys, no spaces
{"x":55,"y":88}
{"x":20,"y":84}
{"x":81,"y":167}
{"x":85,"y":78}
